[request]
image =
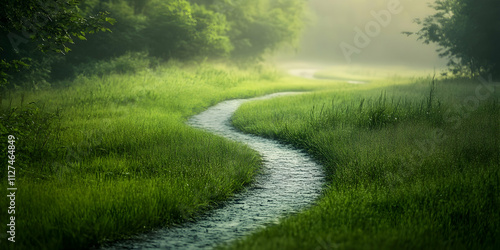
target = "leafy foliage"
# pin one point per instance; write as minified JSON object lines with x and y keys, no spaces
{"x":171,"y":28}
{"x":260,"y":26}
{"x":44,"y":26}
{"x":468,"y":33}
{"x":166,"y":29}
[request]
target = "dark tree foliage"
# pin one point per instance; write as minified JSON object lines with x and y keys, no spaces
{"x":177,"y":29}
{"x":260,"y":26}
{"x":242,"y":30}
{"x":27,"y":26}
{"x":468,"y":33}
{"x":165,"y":29}
{"x":189,"y":29}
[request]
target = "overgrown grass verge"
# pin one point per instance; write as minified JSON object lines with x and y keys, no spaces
{"x":410,"y":165}
{"x":108,"y":156}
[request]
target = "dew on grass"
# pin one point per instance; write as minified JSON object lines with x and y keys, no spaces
{"x":290,"y":181}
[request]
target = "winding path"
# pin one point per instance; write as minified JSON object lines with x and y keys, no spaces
{"x":310,"y":73}
{"x":291,"y":181}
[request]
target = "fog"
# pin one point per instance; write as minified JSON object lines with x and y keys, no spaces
{"x":366,"y":32}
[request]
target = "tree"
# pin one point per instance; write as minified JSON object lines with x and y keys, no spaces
{"x":262,"y":26}
{"x":467,"y":32}
{"x":28,"y":25}
{"x":164,"y":28}
{"x":171,"y":29}
{"x":257,"y":27}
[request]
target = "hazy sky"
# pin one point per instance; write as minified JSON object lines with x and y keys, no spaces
{"x":337,"y":22}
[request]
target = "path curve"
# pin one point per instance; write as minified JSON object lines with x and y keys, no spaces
{"x":290,"y":181}
{"x":310,"y":73}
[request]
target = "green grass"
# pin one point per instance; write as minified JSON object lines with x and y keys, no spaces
{"x":106,"y":157}
{"x":410,"y":165}
{"x":364,"y":73}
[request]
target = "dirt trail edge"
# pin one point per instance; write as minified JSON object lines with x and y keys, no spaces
{"x":290,"y":181}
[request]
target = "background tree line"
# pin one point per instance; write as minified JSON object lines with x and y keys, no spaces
{"x":141,"y":32}
{"x":240,"y":30}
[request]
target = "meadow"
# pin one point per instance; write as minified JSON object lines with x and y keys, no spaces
{"x":106,"y":156}
{"x":411,"y":162}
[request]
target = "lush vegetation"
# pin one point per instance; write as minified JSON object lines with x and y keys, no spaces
{"x":101,"y":144}
{"x":468,"y":33}
{"x":30,"y":27}
{"x":110,"y":156}
{"x":240,"y":30}
{"x":102,"y":149}
{"x":410,"y":163}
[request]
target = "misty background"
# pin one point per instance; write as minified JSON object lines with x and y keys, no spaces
{"x":332,"y":22}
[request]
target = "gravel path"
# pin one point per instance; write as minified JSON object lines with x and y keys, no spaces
{"x":291,"y":181}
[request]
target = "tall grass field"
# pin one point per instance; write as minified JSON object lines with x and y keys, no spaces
{"x":104,"y":157}
{"x":412,"y":163}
